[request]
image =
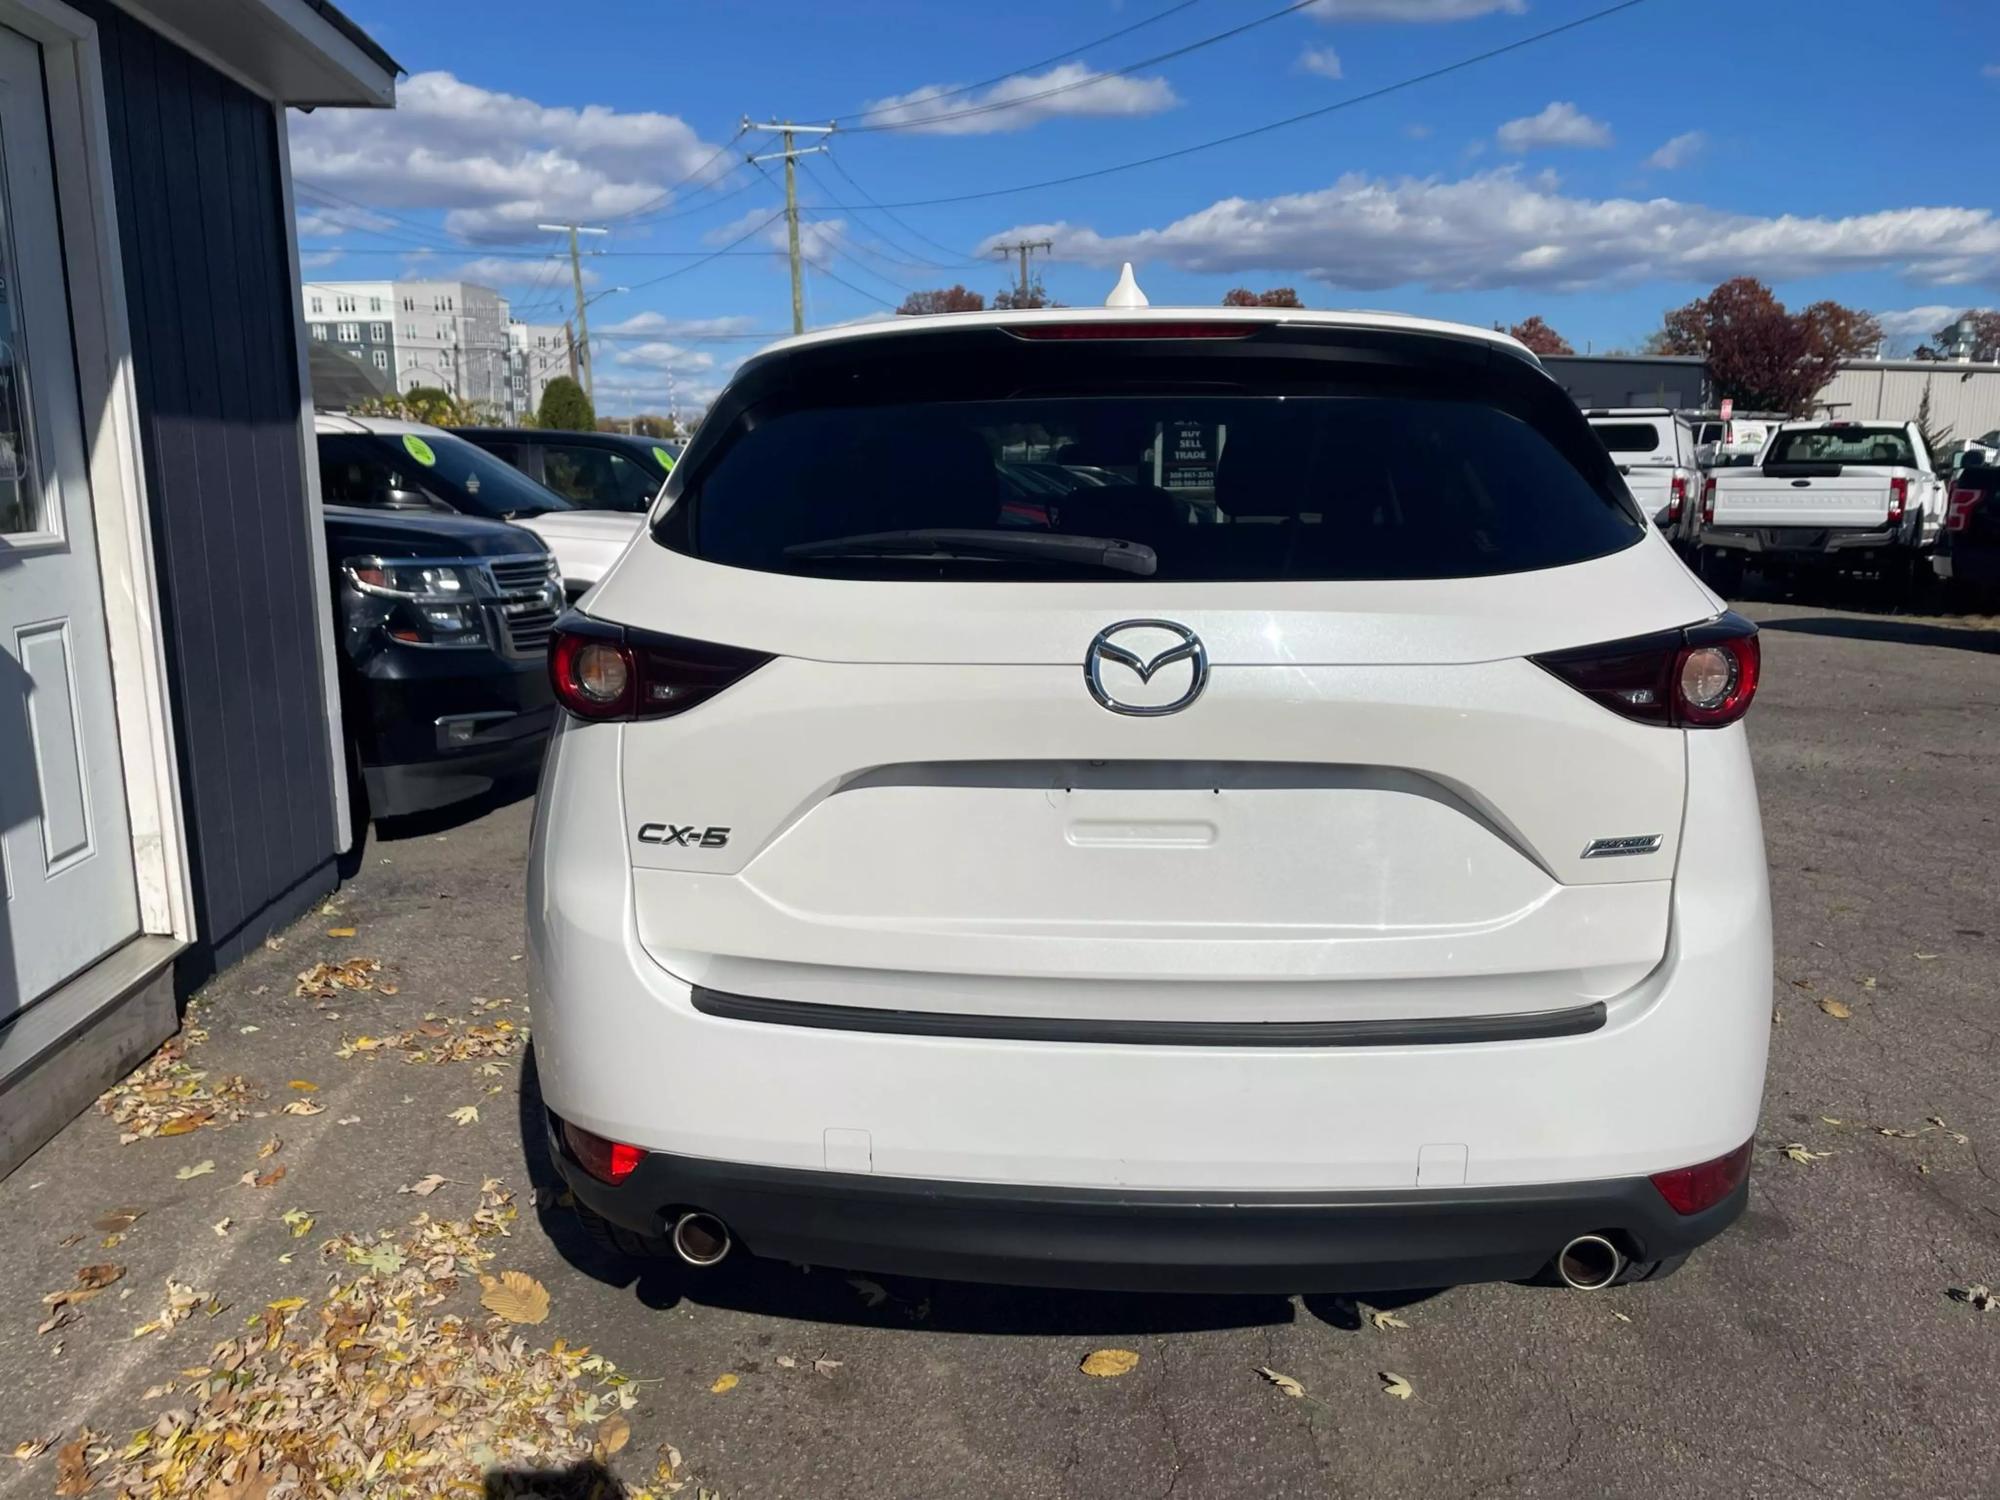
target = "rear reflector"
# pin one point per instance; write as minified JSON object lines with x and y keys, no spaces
{"x":607,"y":1161}
{"x":1701,"y":677}
{"x":1689,"y":1190}
{"x":1959,"y":514}
{"x":1145,"y":330}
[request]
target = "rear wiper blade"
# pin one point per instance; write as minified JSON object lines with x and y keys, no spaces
{"x":947,"y":542}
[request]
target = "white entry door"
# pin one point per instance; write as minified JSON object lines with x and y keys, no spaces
{"x":66,"y":867}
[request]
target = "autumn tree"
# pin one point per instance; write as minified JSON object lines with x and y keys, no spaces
{"x":565,"y":407}
{"x":1539,"y":337}
{"x":1764,"y":357}
{"x":1011,"y":298}
{"x":423,"y":403}
{"x":1277,"y":296}
{"x":948,"y":299}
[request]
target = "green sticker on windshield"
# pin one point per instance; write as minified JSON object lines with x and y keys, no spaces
{"x":666,"y":459}
{"x":420,"y":450}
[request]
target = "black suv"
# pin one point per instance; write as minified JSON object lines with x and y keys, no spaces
{"x":1968,"y":549}
{"x":444,"y":625}
{"x":591,"y":470}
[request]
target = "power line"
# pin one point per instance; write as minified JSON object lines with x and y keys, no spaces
{"x":995,"y":106}
{"x":1266,"y":129}
{"x":666,"y":194}
{"x":530,"y":255}
{"x":859,"y":290}
{"x":754,"y":229}
{"x":916,"y":260}
{"x":1109,"y":36}
{"x":833,"y":160}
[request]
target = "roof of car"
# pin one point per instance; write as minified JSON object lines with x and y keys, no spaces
{"x":325,"y":422}
{"x":892,"y":327}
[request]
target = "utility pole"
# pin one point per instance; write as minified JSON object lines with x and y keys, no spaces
{"x":790,"y":155}
{"x":576,"y":280}
{"x":1023,"y":248}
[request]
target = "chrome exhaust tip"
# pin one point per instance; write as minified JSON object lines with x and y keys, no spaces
{"x":1589,"y":1263}
{"x":700,"y":1239}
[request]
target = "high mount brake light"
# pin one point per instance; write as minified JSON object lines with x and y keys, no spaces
{"x":1134,"y":330}
{"x":602,"y":671}
{"x":1702,"y":677}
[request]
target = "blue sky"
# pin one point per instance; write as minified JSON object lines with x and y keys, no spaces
{"x":1596,"y":178}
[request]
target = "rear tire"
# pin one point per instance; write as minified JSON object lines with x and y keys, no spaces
{"x":1654,"y":1270}
{"x":1722,"y":570}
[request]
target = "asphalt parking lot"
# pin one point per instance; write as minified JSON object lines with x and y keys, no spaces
{"x":1813,"y":1351}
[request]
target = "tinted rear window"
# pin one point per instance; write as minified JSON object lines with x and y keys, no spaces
{"x":1875,"y":446}
{"x":1632,"y":437}
{"x":1248,"y":485}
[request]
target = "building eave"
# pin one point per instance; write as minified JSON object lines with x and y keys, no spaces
{"x":303,"y":53}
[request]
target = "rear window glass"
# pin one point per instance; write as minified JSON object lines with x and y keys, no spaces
{"x":1239,"y":487}
{"x":1631,"y":437}
{"x":1882,"y":446}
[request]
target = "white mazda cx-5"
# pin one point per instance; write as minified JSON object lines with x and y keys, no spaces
{"x":1130,"y":797}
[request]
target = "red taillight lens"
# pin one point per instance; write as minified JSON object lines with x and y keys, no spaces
{"x":1689,"y":1190}
{"x":1677,"y":497}
{"x":1702,"y":677}
{"x":607,"y":1161}
{"x":603,"y":671}
{"x":1145,"y":330}
{"x":1959,"y":515}
{"x":1899,"y":497}
{"x":1708,"y":501}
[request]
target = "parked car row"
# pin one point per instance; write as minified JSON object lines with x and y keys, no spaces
{"x":1812,"y":495}
{"x":450,"y":561}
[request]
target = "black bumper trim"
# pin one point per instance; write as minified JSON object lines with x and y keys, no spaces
{"x":1111,"y":1239}
{"x":1575,"y":1020}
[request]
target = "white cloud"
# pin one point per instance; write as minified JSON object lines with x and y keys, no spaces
{"x":1677,"y":152}
{"x":1417,"y":131}
{"x":1321,"y":60}
{"x":1412,"y":10}
{"x":1503,"y":228}
{"x":1905,"y":328}
{"x":665,"y":356}
{"x":497,"y":163}
{"x":1085,"y":92}
{"x":318,"y":260}
{"x":660,"y":326}
{"x":502,"y":271}
{"x":1560,"y":124}
{"x":817,"y":237}
{"x":1991,"y":70}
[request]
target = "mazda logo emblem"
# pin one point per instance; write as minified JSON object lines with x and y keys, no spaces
{"x":1104,"y":648}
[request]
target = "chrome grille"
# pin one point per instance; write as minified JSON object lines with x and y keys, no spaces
{"x":522,"y":575}
{"x":530,"y":599}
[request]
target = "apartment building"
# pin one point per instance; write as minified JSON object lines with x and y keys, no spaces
{"x":449,"y":334}
{"x":541,"y":353}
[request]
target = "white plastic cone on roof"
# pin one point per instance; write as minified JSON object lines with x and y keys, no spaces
{"x":1127,"y":293}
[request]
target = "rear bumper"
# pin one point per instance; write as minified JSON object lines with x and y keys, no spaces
{"x":1147,"y":1241}
{"x":1792,"y":542}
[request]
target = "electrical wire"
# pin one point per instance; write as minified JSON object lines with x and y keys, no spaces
{"x":858,"y":290}
{"x":1109,"y":36}
{"x":754,"y":229}
{"x":996,"y":106}
{"x":666,"y":194}
{"x":834,"y":161}
{"x":911,"y":259}
{"x":1243,"y":135}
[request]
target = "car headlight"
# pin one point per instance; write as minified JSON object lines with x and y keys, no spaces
{"x":414,"y":601}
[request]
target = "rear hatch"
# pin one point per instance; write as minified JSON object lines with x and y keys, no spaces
{"x":1230,"y":715}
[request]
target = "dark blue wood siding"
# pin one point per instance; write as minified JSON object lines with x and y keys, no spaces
{"x":208,"y":288}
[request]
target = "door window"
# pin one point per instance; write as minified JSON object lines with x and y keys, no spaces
{"x":597,"y":478}
{"x":21,"y":508}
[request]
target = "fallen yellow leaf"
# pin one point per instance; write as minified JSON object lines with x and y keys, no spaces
{"x":723,"y":1385}
{"x":614,"y":1434}
{"x":1395,"y":1385}
{"x":1106,"y":1363}
{"x":515,"y":1296}
{"x":304,"y":1086}
{"x":1386,"y":1320}
{"x":1838,"y":1009}
{"x":199,"y":1169}
{"x":1284,"y":1383}
{"x":340,"y":932}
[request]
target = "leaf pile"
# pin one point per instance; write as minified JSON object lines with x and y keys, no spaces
{"x":324,"y":981}
{"x":441,"y":1041}
{"x":165,"y":1096}
{"x":380,"y":1390}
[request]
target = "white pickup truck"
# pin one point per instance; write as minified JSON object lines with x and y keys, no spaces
{"x":1654,"y":449}
{"x":1826,"y":494}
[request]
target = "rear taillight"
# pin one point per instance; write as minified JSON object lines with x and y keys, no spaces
{"x":1708,"y":501}
{"x":607,"y":1161}
{"x":1701,"y":677}
{"x":1899,"y":497}
{"x":604,"y":671}
{"x":1689,"y":1190}
{"x":1677,"y":496}
{"x":1958,"y":515}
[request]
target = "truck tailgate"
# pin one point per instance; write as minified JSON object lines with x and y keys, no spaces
{"x":1857,"y":499}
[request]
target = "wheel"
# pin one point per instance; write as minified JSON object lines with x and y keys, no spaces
{"x":619,"y":1240}
{"x":1653,"y":1270}
{"x":1722,"y":570}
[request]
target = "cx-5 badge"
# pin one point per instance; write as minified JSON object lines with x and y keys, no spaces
{"x":1103,"y":648}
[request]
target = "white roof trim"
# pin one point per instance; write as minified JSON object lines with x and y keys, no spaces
{"x":285,"y":50}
